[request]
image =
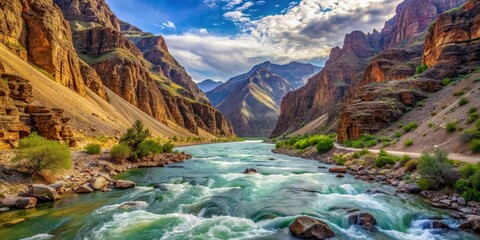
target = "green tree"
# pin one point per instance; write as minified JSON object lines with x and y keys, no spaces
{"x":436,"y":171}
{"x":135,"y":135}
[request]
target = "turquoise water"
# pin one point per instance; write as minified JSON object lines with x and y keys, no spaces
{"x":208,"y":197}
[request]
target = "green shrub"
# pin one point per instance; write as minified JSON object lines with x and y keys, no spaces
{"x":472,"y":110}
{"x":168,"y":147}
{"x":121,"y":152}
{"x":405,"y":158}
{"x":475,"y":146}
{"x":469,"y":134}
{"x":384,"y":159}
{"x":451,"y":127}
{"x":146,"y":148}
{"x":469,"y":185}
{"x":324,"y":144}
{"x":36,"y":153}
{"x":358,"y":154}
{"x":397,"y":134}
{"x":459,"y":93}
{"x":436,"y":171}
{"x":408,"y":142}
{"x":472,"y":117}
{"x":93,"y":148}
{"x":410,"y":126}
{"x":463,"y":101}
{"x":446,"y":81}
{"x":420,"y":69}
{"x":339,"y":159}
{"x":135,"y":135}
{"x":411,"y":165}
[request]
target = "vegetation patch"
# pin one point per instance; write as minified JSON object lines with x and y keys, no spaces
{"x":410,"y":126}
{"x":364,"y":141}
{"x":36,"y":153}
{"x":436,"y":171}
{"x":323,"y":143}
{"x":408,"y":142}
{"x":451,"y":127}
{"x":463,"y":101}
{"x":93,"y":148}
{"x":384,"y":159}
{"x":421,"y":69}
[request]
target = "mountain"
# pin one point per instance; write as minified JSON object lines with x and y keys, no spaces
{"x":265,"y":99}
{"x":112,"y":74}
{"x":253,"y":105}
{"x":208,"y":85}
{"x":391,"y":54}
{"x":295,"y":73}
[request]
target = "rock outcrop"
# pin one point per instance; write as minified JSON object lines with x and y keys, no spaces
{"x":324,"y":91}
{"x":37,"y":32}
{"x":396,"y":50}
{"x":452,"y":46}
{"x":310,"y":228}
{"x":18,"y":117}
{"x":158,"y":85}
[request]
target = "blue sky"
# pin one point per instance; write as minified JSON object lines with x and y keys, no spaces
{"x":219,"y":39}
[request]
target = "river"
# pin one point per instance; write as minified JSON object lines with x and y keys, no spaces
{"x":208,"y":197}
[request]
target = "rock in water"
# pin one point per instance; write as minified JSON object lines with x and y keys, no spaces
{"x":85,"y":188}
{"x":310,"y":228}
{"x":98,"y":183}
{"x":9,"y":201}
{"x":413,"y":188}
{"x":471,"y":225}
{"x":439,"y":225}
{"x":43,"y":192}
{"x":133,"y":205}
{"x":250,"y":171}
{"x":364,"y":220}
{"x":340,"y":175}
{"x":337,"y":169}
{"x":124,"y":184}
{"x":26,"y":202}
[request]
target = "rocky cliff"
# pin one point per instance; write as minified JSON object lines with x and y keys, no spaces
{"x":138,"y":67}
{"x":396,"y":50}
{"x":454,"y":38}
{"x":324,"y":91}
{"x":451,"y":48}
{"x":253,"y":106}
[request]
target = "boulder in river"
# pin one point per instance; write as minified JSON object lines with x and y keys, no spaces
{"x":57,"y":186}
{"x":340,"y":175}
{"x":364,"y":220}
{"x":338,"y":169}
{"x":98,"y":183}
{"x":9,"y":202}
{"x":472,"y":224}
{"x":250,"y":171}
{"x":125,"y":184}
{"x":310,"y":228}
{"x":439,"y":225}
{"x":84,"y":188}
{"x":43,"y":192}
{"x":26,"y":202}
{"x":413,"y":188}
{"x":132,"y":205}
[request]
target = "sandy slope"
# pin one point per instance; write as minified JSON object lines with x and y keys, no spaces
{"x":90,"y":115}
{"x":312,"y":126}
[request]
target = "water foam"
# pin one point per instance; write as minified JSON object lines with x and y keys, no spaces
{"x":39,"y":237}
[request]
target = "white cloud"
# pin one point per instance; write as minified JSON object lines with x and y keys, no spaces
{"x":169,"y":24}
{"x":305,"y":32}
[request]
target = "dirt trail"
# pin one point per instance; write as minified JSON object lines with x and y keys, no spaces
{"x":458,"y":157}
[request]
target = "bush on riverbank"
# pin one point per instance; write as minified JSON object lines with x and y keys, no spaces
{"x":323,"y":143}
{"x":120,"y":152}
{"x":436,"y":171}
{"x":469,"y":185}
{"x":384,"y":159}
{"x":93,"y":148}
{"x":36,"y":153}
{"x":364,"y":141}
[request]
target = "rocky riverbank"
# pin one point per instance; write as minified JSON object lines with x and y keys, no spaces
{"x":89,"y":173}
{"x":397,"y":176}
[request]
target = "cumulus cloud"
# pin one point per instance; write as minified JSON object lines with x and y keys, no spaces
{"x":169,"y":24}
{"x":306,"y":31}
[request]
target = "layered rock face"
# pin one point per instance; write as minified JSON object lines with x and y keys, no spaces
{"x":398,"y":49}
{"x":371,"y":108}
{"x":155,"y":51}
{"x":37,"y":32}
{"x":324,"y":91}
{"x":452,"y":46}
{"x":149,"y":85}
{"x":18,"y":117}
{"x":253,"y":106}
{"x":413,"y":17}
